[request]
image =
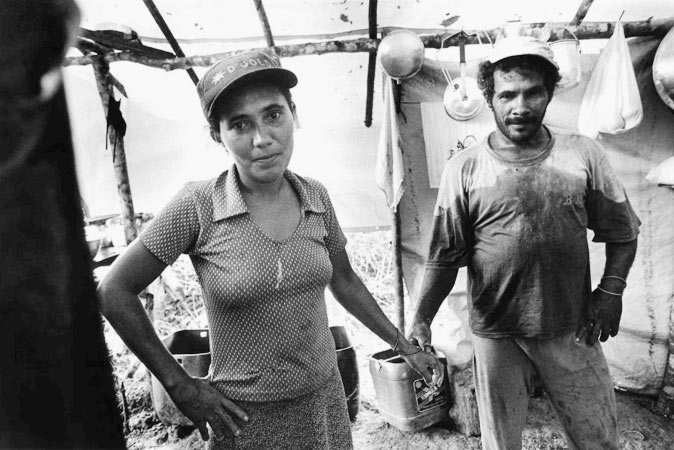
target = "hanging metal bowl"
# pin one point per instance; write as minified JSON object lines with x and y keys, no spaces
{"x":463,"y":99}
{"x":401,"y":54}
{"x":663,"y":69}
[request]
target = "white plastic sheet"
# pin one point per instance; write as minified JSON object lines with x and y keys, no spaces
{"x":611,"y":103}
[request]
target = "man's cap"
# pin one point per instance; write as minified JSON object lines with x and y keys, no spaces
{"x":519,"y":46}
{"x":231,"y":69}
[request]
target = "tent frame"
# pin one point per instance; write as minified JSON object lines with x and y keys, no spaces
{"x":102,"y":48}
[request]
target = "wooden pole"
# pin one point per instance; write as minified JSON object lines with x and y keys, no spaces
{"x":169,"y":36}
{"x":665,"y":404}
{"x":371,"y":63}
{"x":587,"y":30}
{"x":398,"y":272}
{"x":581,"y":13}
{"x":115,"y":137}
{"x":265,"y":22}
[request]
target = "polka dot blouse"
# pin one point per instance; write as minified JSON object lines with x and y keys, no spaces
{"x":269,"y":331}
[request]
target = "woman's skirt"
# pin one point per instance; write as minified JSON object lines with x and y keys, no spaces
{"x":316,"y":421}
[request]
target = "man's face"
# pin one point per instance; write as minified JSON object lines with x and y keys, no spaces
{"x":519,"y":103}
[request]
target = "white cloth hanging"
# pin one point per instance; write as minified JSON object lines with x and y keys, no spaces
{"x":611,"y":103}
{"x":389,"y":170}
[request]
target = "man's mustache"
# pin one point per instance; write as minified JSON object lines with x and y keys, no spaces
{"x":520,"y":121}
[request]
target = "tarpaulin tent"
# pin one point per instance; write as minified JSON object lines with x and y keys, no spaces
{"x":166,"y":131}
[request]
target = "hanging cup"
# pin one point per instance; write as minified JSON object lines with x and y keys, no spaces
{"x":567,"y":56}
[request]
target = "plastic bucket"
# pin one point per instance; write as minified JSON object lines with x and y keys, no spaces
{"x":348,"y":369}
{"x":567,"y":56}
{"x":191,"y":348}
{"x":403,"y":397}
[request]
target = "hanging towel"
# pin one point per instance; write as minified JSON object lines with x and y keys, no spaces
{"x":389,"y":168}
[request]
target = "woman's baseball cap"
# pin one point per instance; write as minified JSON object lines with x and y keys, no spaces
{"x":223,"y":74}
{"x":519,"y":46}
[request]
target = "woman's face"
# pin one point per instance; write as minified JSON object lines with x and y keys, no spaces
{"x":256,"y":127}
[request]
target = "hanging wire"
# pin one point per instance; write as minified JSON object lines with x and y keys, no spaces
{"x":444,"y":71}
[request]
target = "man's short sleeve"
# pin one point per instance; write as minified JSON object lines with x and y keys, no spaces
{"x":609,"y":212}
{"x":175,"y":229}
{"x":451,"y":233}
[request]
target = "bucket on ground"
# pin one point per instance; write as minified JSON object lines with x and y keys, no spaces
{"x":191,"y":348}
{"x":348,"y":369}
{"x":403,"y":397}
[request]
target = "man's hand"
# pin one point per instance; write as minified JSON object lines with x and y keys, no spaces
{"x":420,"y":334}
{"x":428,"y":366}
{"x":600,"y":319}
{"x":203,"y":404}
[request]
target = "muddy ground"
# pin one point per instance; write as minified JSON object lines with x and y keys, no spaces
{"x":640,"y":427}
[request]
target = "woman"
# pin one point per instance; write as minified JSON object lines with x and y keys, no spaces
{"x":264,"y":243}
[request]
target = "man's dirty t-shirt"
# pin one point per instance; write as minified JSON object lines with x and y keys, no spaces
{"x":521,"y":230}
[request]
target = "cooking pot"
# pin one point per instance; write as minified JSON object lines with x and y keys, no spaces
{"x":566,"y":53}
{"x":463,"y":99}
{"x":663,"y":69}
{"x":401,"y":54}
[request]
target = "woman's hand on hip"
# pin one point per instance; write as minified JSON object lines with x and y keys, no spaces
{"x":203,"y":404}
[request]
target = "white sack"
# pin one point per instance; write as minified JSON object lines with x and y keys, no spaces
{"x":611,"y":103}
{"x":663,"y":173}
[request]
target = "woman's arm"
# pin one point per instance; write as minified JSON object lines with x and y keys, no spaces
{"x":352,"y":294}
{"x":118,"y":301}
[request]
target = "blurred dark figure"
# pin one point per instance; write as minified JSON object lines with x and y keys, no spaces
{"x":56,"y":386}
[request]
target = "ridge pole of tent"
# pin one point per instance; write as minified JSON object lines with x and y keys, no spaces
{"x":115,"y":136}
{"x":265,"y":22}
{"x":372,"y":63}
{"x":156,"y":15}
{"x":581,"y":12}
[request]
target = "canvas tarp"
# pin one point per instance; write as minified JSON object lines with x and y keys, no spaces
{"x":637,"y":356}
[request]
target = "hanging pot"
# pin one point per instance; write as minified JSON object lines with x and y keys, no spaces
{"x":566,"y":53}
{"x":401,"y":54}
{"x":663,"y":69}
{"x":463,"y":99}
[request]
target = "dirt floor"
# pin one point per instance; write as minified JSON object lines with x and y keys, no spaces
{"x":639,"y":426}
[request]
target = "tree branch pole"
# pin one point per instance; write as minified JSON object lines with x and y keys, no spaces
{"x":665,"y":403}
{"x":588,"y":30}
{"x":581,"y":13}
{"x":371,"y":63}
{"x":266,"y":29}
{"x":115,"y":138}
{"x":156,"y":15}
{"x":398,"y":284}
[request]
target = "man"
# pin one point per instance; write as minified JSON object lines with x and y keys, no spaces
{"x":515,"y":210}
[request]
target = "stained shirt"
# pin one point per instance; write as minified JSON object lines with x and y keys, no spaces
{"x":265,"y":302}
{"x":520,"y":228}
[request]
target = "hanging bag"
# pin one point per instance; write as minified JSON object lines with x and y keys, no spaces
{"x":611,"y":103}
